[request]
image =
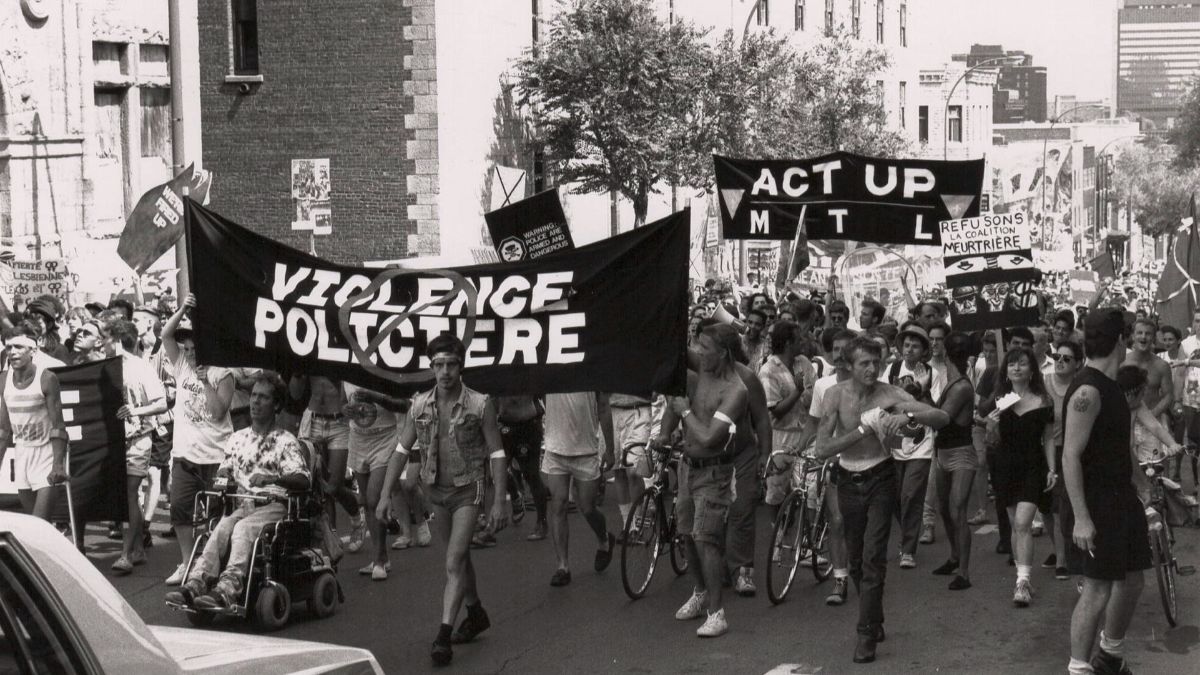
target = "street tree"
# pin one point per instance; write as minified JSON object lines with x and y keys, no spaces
{"x":1185,"y":135}
{"x":613,"y":89}
{"x":1157,"y":190}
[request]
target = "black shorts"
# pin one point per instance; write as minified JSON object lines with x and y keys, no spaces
{"x":1122,"y":542}
{"x":188,"y":479}
{"x":522,"y":439}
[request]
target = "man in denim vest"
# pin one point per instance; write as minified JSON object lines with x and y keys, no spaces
{"x":459,"y":435}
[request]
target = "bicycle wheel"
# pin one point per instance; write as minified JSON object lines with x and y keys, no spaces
{"x":1164,"y":572}
{"x":642,"y":545}
{"x":679,"y":561}
{"x":818,"y":539}
{"x":787,"y":541}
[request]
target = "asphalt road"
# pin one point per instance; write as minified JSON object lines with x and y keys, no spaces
{"x":592,"y":627}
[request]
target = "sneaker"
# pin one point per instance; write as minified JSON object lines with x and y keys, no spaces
{"x":176,"y":577}
{"x":483,"y":539}
{"x":423,"y":536}
{"x":560,"y":577}
{"x":122,"y":566}
{"x":693,"y":608}
{"x":369,"y":568}
{"x":217,"y":598}
{"x":402,"y":542}
{"x":1038,"y":528}
{"x":980,"y":518}
{"x":358,"y":535}
{"x":441,"y":653}
{"x":380,"y":572}
{"x":1104,"y":663}
{"x":714,"y":626}
{"x":1022,"y":594}
{"x":1051,"y":562}
{"x":604,"y":555}
{"x":187,"y":594}
{"x":907,"y":561}
{"x":475,"y":623}
{"x":137,"y":558}
{"x":926,"y":534}
{"x":837,"y":595}
{"x":949,"y":567}
{"x":539,"y":532}
{"x":744,"y":585}
{"x":1062,"y":573}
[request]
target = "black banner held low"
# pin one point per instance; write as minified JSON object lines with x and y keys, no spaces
{"x":92,"y":393}
{"x":998,"y":305}
{"x":846,"y":196}
{"x":530,"y":228}
{"x":610,"y":316}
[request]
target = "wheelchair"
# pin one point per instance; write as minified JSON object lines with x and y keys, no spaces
{"x":288,"y":564}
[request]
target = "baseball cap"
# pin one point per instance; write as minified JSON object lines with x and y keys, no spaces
{"x":1108,"y":321}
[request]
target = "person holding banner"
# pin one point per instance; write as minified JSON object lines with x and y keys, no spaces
{"x":460,"y":438}
{"x":31,"y":421}
{"x":854,"y":425}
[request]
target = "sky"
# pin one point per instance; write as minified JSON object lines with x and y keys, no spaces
{"x":1074,"y":39}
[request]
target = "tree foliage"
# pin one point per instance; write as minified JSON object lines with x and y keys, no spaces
{"x":1185,"y":136}
{"x":626,"y":102}
{"x":1149,"y":179}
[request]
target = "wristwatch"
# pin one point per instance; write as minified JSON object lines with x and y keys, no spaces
{"x":912,"y":419}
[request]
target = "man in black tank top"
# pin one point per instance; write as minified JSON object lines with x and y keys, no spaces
{"x":1110,"y":530}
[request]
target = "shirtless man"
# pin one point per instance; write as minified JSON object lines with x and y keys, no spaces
{"x":1160,"y":388}
{"x":716,"y":397}
{"x":854,"y":424}
{"x":326,"y":427}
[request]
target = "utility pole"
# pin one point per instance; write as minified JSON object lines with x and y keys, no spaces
{"x":179,"y":145}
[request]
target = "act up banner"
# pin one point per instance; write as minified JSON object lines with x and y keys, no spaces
{"x":846,"y":196}
{"x":990,"y":271}
{"x":611,"y":316}
{"x":156,"y":223}
{"x":530,"y":228}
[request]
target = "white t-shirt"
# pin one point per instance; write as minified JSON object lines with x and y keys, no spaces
{"x":902,"y":447}
{"x":1191,"y":387}
{"x":572,"y":424}
{"x":142,"y":386}
{"x":198,"y":437}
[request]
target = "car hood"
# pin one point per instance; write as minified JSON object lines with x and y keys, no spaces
{"x":203,"y":651}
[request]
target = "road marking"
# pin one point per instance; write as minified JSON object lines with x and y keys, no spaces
{"x":794,"y":669}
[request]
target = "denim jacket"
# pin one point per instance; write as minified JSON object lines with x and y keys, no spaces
{"x":466,"y":447}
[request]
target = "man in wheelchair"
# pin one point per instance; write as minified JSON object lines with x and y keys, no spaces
{"x":262,"y":460}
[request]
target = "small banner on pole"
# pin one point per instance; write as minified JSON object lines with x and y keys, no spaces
{"x":848,"y":196}
{"x":91,"y":395}
{"x":156,"y":223}
{"x":530,"y":228}
{"x":990,"y":271}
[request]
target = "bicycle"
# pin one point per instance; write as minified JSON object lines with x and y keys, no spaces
{"x":650,"y":527}
{"x":1162,"y":538}
{"x":801,"y":530}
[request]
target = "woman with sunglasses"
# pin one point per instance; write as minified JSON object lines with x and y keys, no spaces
{"x":1020,"y":464}
{"x":1068,"y":359}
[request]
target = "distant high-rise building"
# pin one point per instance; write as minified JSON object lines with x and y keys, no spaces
{"x":1020,"y":94}
{"x":1158,"y":55}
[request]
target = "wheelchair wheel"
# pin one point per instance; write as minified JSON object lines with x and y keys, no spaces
{"x":324,"y":596}
{"x":201,"y":619}
{"x":273,"y":608}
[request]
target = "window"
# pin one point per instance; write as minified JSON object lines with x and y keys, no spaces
{"x":954,"y":124}
{"x":245,"y":37}
{"x":828,"y":16}
{"x":923,"y":123}
{"x":856,"y":17}
{"x":763,"y":12}
{"x":799,"y":14}
{"x":32,"y":632}
{"x":879,"y":20}
{"x":903,"y":104}
{"x":156,"y":134}
{"x":539,"y":170}
{"x":903,"y":25}
{"x":879,"y":91}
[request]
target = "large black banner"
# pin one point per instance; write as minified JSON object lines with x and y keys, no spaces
{"x":610,"y":316}
{"x":846,"y":196}
{"x":91,"y":395}
{"x":530,"y":228}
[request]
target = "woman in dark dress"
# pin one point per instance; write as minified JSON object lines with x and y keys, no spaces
{"x":1021,"y":464}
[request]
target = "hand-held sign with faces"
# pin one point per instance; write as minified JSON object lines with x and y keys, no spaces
{"x":990,"y":271}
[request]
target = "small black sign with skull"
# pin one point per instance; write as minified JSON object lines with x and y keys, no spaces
{"x":530,"y":228}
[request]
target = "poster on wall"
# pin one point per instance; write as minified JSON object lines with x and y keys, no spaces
{"x":990,"y":272}
{"x":310,"y":196}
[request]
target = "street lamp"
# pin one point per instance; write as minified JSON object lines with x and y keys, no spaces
{"x":1102,"y":199}
{"x":1055,"y":120}
{"x":946,"y":111}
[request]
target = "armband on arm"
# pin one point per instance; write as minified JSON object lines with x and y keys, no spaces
{"x":401,"y":449}
{"x":497,"y":454}
{"x":59,"y":433}
{"x":724,"y":418}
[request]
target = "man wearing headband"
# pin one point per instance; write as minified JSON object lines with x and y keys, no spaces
{"x":31,"y":421}
{"x":459,"y":435}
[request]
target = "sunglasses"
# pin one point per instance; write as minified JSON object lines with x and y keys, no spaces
{"x":1065,"y":358}
{"x":86,"y":333}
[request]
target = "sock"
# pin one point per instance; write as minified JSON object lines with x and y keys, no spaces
{"x":841,"y":573}
{"x":1077,"y":667}
{"x":1111,"y":646}
{"x":444,"y":632}
{"x":1023,"y":572}
{"x":624,"y":509}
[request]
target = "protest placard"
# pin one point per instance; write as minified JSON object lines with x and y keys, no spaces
{"x":530,"y":228}
{"x":990,"y":271}
{"x":1083,"y":286}
{"x":848,"y":196}
{"x":27,"y":279}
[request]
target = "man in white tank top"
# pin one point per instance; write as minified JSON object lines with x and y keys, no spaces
{"x":31,"y":421}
